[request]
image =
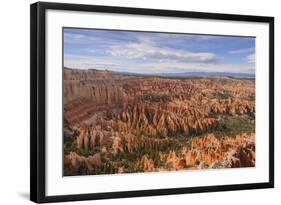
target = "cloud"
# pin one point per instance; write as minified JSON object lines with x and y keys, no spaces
{"x":251,"y":58}
{"x":147,"y":51}
{"x":243,"y":50}
{"x":82,"y":62}
{"x":88,"y":62}
{"x":83,"y":39}
{"x":71,"y":38}
{"x":141,"y":52}
{"x":196,"y":67}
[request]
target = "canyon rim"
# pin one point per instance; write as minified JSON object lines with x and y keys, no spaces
{"x":150,"y":102}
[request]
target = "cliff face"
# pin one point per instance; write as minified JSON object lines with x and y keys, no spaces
{"x":88,"y":92}
{"x":121,"y":123}
{"x":101,"y":94}
{"x":94,"y":85}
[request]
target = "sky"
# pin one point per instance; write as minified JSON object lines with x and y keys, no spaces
{"x":154,"y":52}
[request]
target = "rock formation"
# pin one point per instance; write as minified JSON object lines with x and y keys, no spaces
{"x":208,"y":152}
{"x":118,"y":123}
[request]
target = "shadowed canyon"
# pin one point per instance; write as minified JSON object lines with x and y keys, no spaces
{"x":125,"y":123}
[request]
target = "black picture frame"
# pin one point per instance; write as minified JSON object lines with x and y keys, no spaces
{"x":38,"y":100}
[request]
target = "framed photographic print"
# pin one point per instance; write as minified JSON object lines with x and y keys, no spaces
{"x":129,"y":102}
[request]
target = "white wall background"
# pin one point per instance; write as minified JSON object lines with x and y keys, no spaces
{"x":14,"y":101}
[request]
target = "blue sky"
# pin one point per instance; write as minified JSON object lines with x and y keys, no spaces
{"x":147,"y":52}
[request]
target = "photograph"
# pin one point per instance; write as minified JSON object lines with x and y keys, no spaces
{"x":139,"y":101}
{"x":148,"y":101}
